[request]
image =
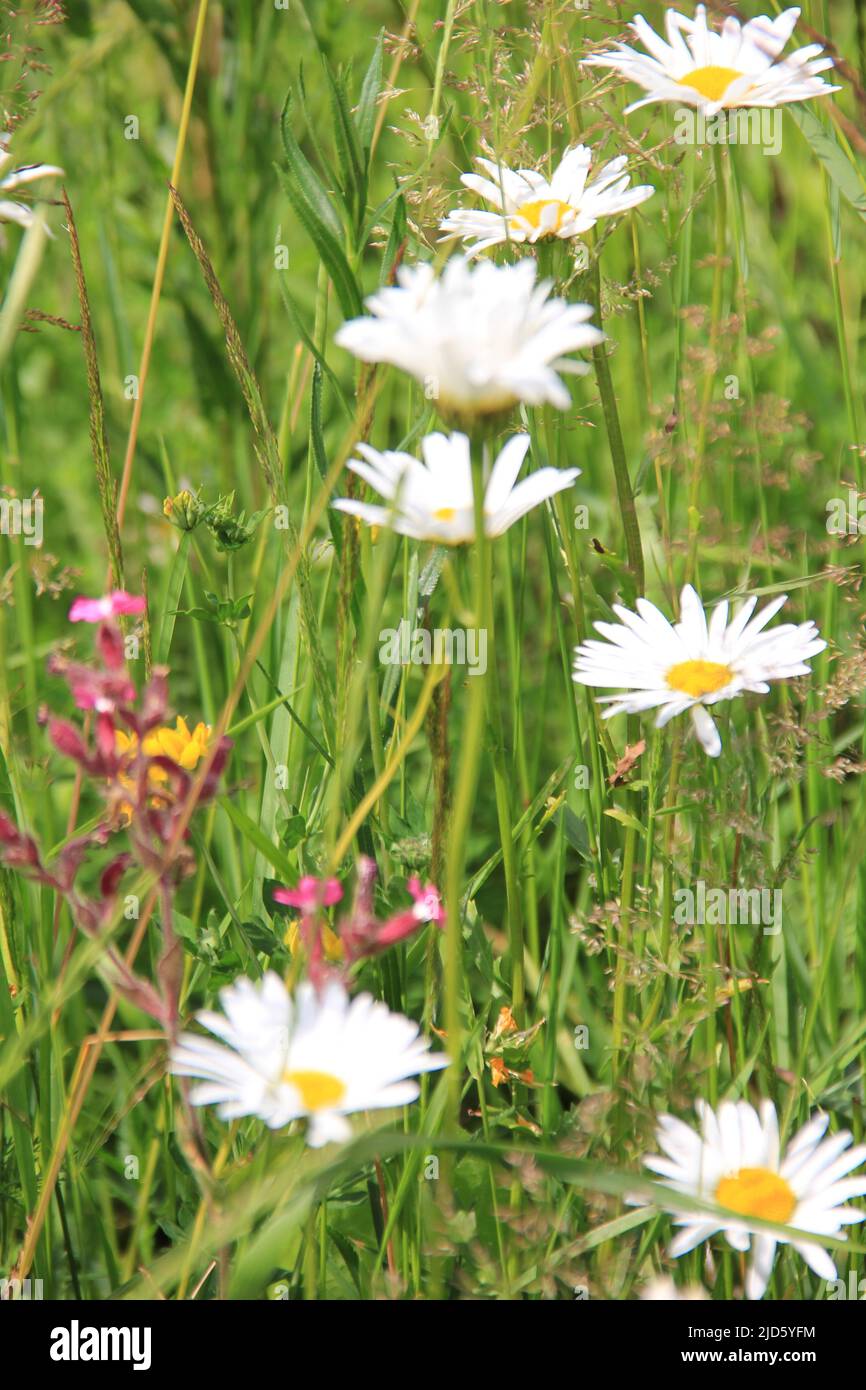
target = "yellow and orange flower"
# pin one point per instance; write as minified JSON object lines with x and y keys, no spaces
{"x":184,"y":748}
{"x":331,"y":943}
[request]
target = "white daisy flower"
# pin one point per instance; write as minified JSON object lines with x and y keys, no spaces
{"x":688,"y":665}
{"x":735,"y":1162}
{"x":433,"y":500}
{"x":10,"y":209}
{"x":316,"y":1056}
{"x":531,"y":207}
{"x":480,"y":338}
{"x":711,"y":69}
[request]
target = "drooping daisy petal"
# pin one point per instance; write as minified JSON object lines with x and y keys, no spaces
{"x":691,"y":1237}
{"x":691,"y":664}
{"x":707,"y":733}
{"x":761,"y":1267}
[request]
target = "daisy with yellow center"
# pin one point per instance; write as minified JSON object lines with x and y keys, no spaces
{"x":529,"y":207}
{"x":686,"y":666}
{"x":433,"y":500}
{"x":320,"y":1056}
{"x":735,"y":66}
{"x":480,"y":337}
{"x":734,"y":1161}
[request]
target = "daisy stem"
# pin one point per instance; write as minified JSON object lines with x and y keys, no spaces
{"x":503,"y":801}
{"x":709,"y":375}
{"x":833,"y":258}
{"x":625,"y":495}
{"x":521,"y":755}
{"x":634,"y":552}
{"x":641,"y":313}
{"x":667,"y":905}
{"x":464,"y":802}
{"x":161,"y":261}
{"x":438,"y":78}
{"x":620,"y":988}
{"x":557,"y":927}
{"x":741,"y":296}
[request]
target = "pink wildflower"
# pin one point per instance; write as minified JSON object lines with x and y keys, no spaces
{"x":311,"y":894}
{"x":97,"y":610}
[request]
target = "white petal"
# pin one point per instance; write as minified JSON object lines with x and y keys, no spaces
{"x":761,"y":1267}
{"x":705,"y":728}
{"x":692,"y":1236}
{"x":505,"y":471}
{"x":817,"y":1259}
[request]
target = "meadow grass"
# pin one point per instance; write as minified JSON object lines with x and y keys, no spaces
{"x":186,"y":340}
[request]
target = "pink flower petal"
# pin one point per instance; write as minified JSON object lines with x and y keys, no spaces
{"x":96,"y":610}
{"x":310,"y":894}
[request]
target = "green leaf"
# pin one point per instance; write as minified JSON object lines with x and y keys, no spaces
{"x":201,"y":615}
{"x":261,"y":938}
{"x":576,"y":832}
{"x":293,"y":831}
{"x":248,"y":828}
{"x":309,"y":183}
{"x":352,"y":161}
{"x":312,"y":122}
{"x":841,"y":170}
{"x":376,"y":216}
{"x":396,"y":239}
{"x":320,"y":453}
{"x":365,"y":116}
{"x":630,"y":822}
{"x":314,"y":208}
{"x":618,"y":1227}
{"x":327,"y":245}
{"x":294,"y":315}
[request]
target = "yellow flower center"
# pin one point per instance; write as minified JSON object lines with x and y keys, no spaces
{"x":318,"y":1089}
{"x":757,"y":1192}
{"x":330,"y":940}
{"x":179,"y":744}
{"x":533,"y":213}
{"x":711,"y":82}
{"x":697,"y":678}
{"x":445,"y":514}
